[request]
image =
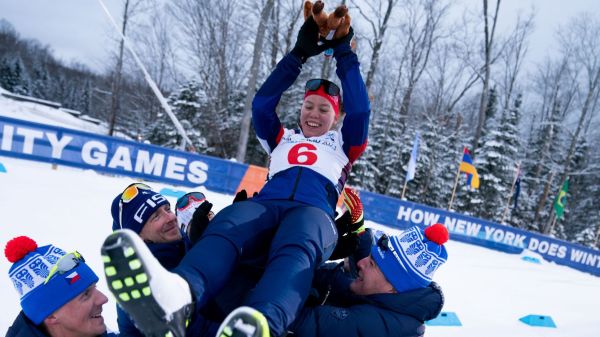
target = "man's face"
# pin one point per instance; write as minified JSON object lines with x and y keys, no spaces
{"x":81,"y":316}
{"x":370,"y":279}
{"x":162,"y":226}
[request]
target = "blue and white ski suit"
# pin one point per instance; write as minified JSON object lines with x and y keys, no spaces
{"x":294,"y":211}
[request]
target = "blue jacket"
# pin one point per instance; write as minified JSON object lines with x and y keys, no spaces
{"x":24,"y":327}
{"x":349,"y":315}
{"x":301,"y":183}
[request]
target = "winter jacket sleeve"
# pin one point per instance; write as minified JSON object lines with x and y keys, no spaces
{"x":355,"y":102}
{"x":264,"y":117}
{"x":24,"y":327}
{"x":355,"y":321}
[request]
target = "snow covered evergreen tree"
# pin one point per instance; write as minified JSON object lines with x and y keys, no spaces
{"x":394,"y":153}
{"x":539,"y":169}
{"x":40,"y":81}
{"x":496,"y":160}
{"x":509,"y":128}
{"x":488,"y":152}
{"x":439,"y":172}
{"x":582,"y":216}
{"x":13,"y":75}
{"x":187,"y":104}
{"x":366,"y":169}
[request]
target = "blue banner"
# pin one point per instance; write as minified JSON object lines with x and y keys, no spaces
{"x":401,"y":214}
{"x":27,"y":140}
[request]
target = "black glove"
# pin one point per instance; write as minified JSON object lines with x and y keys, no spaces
{"x":307,"y":43}
{"x":199,"y":221}
{"x":345,"y":226}
{"x":344,"y":40}
{"x":240,"y":196}
{"x":345,"y":247}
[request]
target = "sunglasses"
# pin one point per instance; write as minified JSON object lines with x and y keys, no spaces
{"x":65,"y":264}
{"x":129,"y":194}
{"x":330,"y":88}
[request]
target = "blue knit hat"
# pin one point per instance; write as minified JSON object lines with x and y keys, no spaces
{"x":134,"y":213}
{"x":31,"y":266}
{"x":409,"y":260}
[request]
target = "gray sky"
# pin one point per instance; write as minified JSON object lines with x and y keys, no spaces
{"x":74,"y":29}
{"x":78,"y":29}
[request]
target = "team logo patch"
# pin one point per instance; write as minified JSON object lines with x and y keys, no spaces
{"x":340,"y":314}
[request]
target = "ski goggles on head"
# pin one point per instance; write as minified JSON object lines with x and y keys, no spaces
{"x":66,"y":263}
{"x":383,"y":242}
{"x":185,"y":200}
{"x":132,"y":191}
{"x":129,"y":194}
{"x":329,"y":87}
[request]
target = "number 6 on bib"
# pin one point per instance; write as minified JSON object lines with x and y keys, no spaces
{"x":301,"y":154}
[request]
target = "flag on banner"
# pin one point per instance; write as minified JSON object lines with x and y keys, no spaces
{"x":561,"y":200}
{"x":517,"y":188}
{"x":412,"y":163}
{"x":466,"y":166}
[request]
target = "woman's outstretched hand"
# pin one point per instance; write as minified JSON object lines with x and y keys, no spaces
{"x":308,"y":43}
{"x":344,"y":40}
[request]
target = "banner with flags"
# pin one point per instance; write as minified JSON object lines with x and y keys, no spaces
{"x":466,"y":166}
{"x":561,"y":200}
{"x":412,"y":163}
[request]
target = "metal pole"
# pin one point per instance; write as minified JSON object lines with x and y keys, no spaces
{"x":454,"y":188}
{"x":552,"y":226}
{"x":153,"y":86}
{"x":404,"y":189}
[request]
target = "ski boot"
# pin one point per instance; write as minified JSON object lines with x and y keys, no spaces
{"x":244,"y":322}
{"x":159,"y":302}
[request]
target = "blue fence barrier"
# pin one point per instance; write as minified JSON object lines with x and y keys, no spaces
{"x":401,"y":214}
{"x":33,"y":141}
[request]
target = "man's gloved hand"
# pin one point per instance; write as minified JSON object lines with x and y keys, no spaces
{"x":242,"y":196}
{"x":356,"y":222}
{"x":350,"y":225}
{"x":347,"y":241}
{"x":307,"y":43}
{"x":200,"y":219}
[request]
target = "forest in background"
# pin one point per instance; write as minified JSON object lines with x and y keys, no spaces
{"x":458,"y":81}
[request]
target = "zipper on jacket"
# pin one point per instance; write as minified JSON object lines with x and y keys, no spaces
{"x":291,"y":197}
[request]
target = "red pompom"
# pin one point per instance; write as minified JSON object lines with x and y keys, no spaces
{"x":18,"y":247}
{"x":437,"y":233}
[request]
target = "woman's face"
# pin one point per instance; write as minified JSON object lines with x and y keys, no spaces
{"x":317,"y":116}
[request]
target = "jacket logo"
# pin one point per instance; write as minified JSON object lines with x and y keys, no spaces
{"x":340,"y":314}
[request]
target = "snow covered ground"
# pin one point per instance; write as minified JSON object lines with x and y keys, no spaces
{"x":488,"y":290}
